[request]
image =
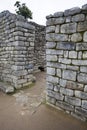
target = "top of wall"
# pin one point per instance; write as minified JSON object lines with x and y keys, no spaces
{"x":69,"y":12}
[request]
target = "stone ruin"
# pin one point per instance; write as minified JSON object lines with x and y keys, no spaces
{"x":66,"y":54}
{"x":22,"y":51}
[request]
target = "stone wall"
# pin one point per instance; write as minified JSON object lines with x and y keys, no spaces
{"x":66,"y":55}
{"x":16,"y":50}
{"x":39,"y":46}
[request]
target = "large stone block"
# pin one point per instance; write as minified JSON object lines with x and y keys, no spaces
{"x":50,"y":29}
{"x":81,"y":46}
{"x":69,"y":74}
{"x":51,"y":58}
{"x":78,"y":17}
{"x":84,"y":104}
{"x":72,"y":67}
{"x":82,"y":78}
{"x":52,"y":79}
{"x":59,"y":72}
{"x":62,"y":82}
{"x":81,"y":111}
{"x":51,"y":100}
{"x":49,"y":86}
{"x":68,"y":28}
{"x":79,"y":62}
{"x":66,"y":45}
{"x":66,"y":91}
{"x":54,"y":52}
{"x":50,"y":71}
{"x":76,"y":37}
{"x":50,"y":45}
{"x":72,"y":11}
{"x":81,"y":95}
{"x":85,"y":55}
{"x":65,"y":105}
{"x":56,"y":65}
{"x":59,"y":96}
{"x":82,"y":26}
{"x":73,"y":54}
{"x":73,"y":101}
{"x":83,"y":69}
{"x":85,"y":36}
{"x":65,"y":61}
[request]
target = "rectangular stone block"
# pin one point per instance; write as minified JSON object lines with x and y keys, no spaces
{"x":51,"y":100}
{"x":65,"y":105}
{"x":84,"y":104}
{"x":82,"y":78}
{"x":83,"y":69}
{"x":51,"y":58}
{"x":68,"y":28}
{"x":81,"y":111}
{"x":53,"y":79}
{"x":73,"y":101}
{"x":62,"y":82}
{"x":49,"y":86}
{"x":54,"y":52}
{"x":73,"y":54}
{"x":72,"y":67}
{"x":82,"y":26}
{"x":78,"y":18}
{"x":50,"y":71}
{"x":81,"y":46}
{"x":50,"y":45}
{"x":81,"y":95}
{"x":59,"y":72}
{"x":66,"y":46}
{"x":56,"y":65}
{"x":69,"y":74}
{"x":79,"y":62}
{"x":66,"y":91}
{"x":64,"y":60}
{"x":50,"y":29}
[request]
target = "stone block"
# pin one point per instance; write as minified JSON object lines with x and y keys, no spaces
{"x":73,"y":54}
{"x":58,"y":14}
{"x":74,"y":85}
{"x":85,"y":36}
{"x":81,"y":111}
{"x":56,"y":88}
{"x":59,"y":72}
{"x":66,"y":91}
{"x":66,"y":46}
{"x":65,"y":54}
{"x":52,"y":79}
{"x":84,"y":7}
{"x":50,"y":29}
{"x":80,"y":55}
{"x":68,"y":19}
{"x":49,"y":86}
{"x":54,"y":52}
{"x":57,"y":29}
{"x":73,"y":101}
{"x":56,"y":65}
{"x":72,"y":11}
{"x":79,"y":62}
{"x":69,"y":74}
{"x":78,"y":17}
{"x":81,"y":46}
{"x":59,"y":96}
{"x":50,"y":45}
{"x":51,"y":58}
{"x":85,"y":88}
{"x":68,"y":28}
{"x":53,"y":37}
{"x":85,"y":55}
{"x":62,"y":82}
{"x":84,"y":104}
{"x":64,"y":61}
{"x":51,"y":100}
{"x":65,"y":105}
{"x":83,"y":69}
{"x":81,"y":95}
{"x":50,"y":71}
{"x":71,"y":67}
{"x":82,"y":26}
{"x":82,"y":78}
{"x":76,"y":37}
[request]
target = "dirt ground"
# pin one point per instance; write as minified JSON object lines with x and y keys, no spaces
{"x":26,"y":110}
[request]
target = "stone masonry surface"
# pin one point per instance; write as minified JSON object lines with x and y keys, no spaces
{"x":66,"y":56}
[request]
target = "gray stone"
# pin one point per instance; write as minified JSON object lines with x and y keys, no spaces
{"x":52,"y":79}
{"x":82,"y":26}
{"x":56,"y":88}
{"x":50,"y":71}
{"x":69,"y":74}
{"x":73,"y":101}
{"x":6,"y":88}
{"x":56,"y":65}
{"x":81,"y":46}
{"x":85,"y":88}
{"x":79,"y":62}
{"x":73,"y":54}
{"x":79,"y":17}
{"x":68,"y":19}
{"x":85,"y":36}
{"x":64,"y":60}
{"x":72,"y":11}
{"x":66,"y":91}
{"x":56,"y":37}
{"x":83,"y":69}
{"x":82,"y":78}
{"x":84,"y":7}
{"x":51,"y":100}
{"x":65,"y":105}
{"x":66,"y":45}
{"x":54,"y":52}
{"x":51,"y":58}
{"x":50,"y":45}
{"x":74,"y":85}
{"x":59,"y":96}
{"x":71,"y":67}
{"x":58,"y":14}
{"x":49,"y":86}
{"x":80,"y":55}
{"x":78,"y":116}
{"x":84,"y":104}
{"x":76,"y":37}
{"x":68,"y":28}
{"x":50,"y":29}
{"x":62,"y":82}
{"x":81,"y":95}
{"x":81,"y":111}
{"x":59,"y":72}
{"x":85,"y":55}
{"x":65,"y":54}
{"x":57,"y":29}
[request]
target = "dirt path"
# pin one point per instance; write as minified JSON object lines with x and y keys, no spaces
{"x":25,"y":110}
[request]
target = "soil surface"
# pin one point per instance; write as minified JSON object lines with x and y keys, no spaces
{"x":26,"y":110}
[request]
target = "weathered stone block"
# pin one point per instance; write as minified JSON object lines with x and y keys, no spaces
{"x":72,"y":11}
{"x":85,"y":55}
{"x":65,"y":105}
{"x":73,"y":101}
{"x":52,"y":79}
{"x":79,"y":62}
{"x":82,"y":78}
{"x":62,"y":82}
{"x":78,"y":17}
{"x":59,"y":96}
{"x":85,"y":36}
{"x":56,"y":65}
{"x":66,"y":45}
{"x":84,"y":7}
{"x":50,"y":29}
{"x":74,"y":85}
{"x":58,"y":14}
{"x":83,"y":69}
{"x":82,"y":26}
{"x":65,"y":54}
{"x":73,"y":54}
{"x":51,"y":100}
{"x":65,"y":61}
{"x":54,"y":52}
{"x":57,"y":29}
{"x":51,"y":58}
{"x":50,"y":45}
{"x":68,"y":19}
{"x":50,"y":71}
{"x":76,"y":37}
{"x":49,"y":86}
{"x":56,"y":88}
{"x":59,"y":72}
{"x":81,"y":111}
{"x":66,"y":91}
{"x":68,"y":28}
{"x":69,"y":74}
{"x":84,"y":104}
{"x":81,"y":46}
{"x":85,"y":88}
{"x":56,"y":37}
{"x":71,"y":67}
{"x":81,"y":95}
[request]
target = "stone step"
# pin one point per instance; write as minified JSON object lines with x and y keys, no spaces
{"x":6,"y":88}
